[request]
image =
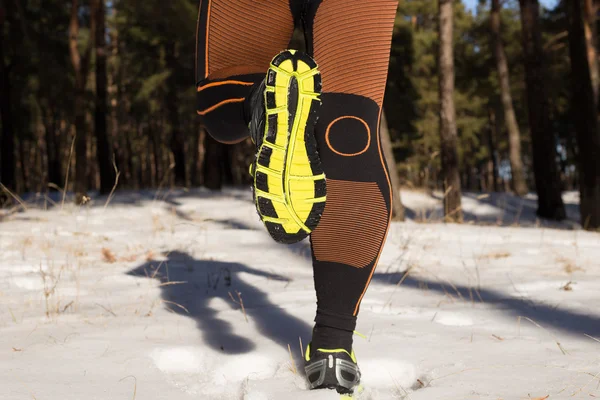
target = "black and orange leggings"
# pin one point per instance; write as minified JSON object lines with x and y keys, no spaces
{"x":350,"y":41}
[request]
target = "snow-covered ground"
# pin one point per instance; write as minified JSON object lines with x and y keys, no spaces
{"x":142,"y":300}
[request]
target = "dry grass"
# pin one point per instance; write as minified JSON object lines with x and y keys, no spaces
{"x":51,"y":282}
{"x":112,"y":192}
{"x":292,"y":362}
{"x":594,"y":377}
{"x":129,"y":258}
{"x":591,"y":337}
{"x":172,"y":283}
{"x":107,"y":309}
{"x":569,"y":266}
{"x":162,"y":183}
{"x":69,"y":304}
{"x":78,"y":253}
{"x":496,"y":255}
{"x":239,"y":302}
{"x":158,"y":226}
{"x":150,"y":256}
{"x":25,"y":243}
{"x":64,"y":196}
{"x":108,"y":256}
{"x":134,"y":384}
{"x":12,"y":315}
{"x":567,"y":287}
{"x":175,"y":304}
{"x":406,"y":274}
{"x":562,"y":349}
{"x":400,"y":391}
{"x":14,"y":196}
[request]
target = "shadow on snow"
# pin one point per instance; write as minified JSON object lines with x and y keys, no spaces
{"x":205,"y":280}
{"x":548,"y":316}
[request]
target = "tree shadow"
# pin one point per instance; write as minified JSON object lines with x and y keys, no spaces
{"x":189,"y":285}
{"x":229,"y":223}
{"x":499,"y":209}
{"x":140,"y":197}
{"x":568,"y":321}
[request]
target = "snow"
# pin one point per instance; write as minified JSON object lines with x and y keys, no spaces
{"x":453,"y":319}
{"x":142,"y":300}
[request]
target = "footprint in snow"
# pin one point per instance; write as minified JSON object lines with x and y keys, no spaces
{"x":206,"y":372}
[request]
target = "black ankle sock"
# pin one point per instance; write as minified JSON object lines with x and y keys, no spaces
{"x":325,"y":337}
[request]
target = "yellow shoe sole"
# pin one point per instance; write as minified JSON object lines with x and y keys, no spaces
{"x":289,"y":183}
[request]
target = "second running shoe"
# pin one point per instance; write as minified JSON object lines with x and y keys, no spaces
{"x":332,"y":369}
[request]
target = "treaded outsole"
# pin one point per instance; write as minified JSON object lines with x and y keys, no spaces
{"x":263,"y":198}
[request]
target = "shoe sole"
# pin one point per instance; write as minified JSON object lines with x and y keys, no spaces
{"x":289,"y":183}
{"x":355,"y":395}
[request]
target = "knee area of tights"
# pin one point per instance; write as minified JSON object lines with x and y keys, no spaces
{"x":348,"y":124}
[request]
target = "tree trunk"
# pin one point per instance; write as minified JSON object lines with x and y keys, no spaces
{"x":473,"y":181}
{"x":213,"y":168}
{"x":585,"y":117}
{"x":80,"y":66}
{"x":41,"y":172}
{"x":120,"y":128}
{"x":195,"y":167}
{"x":155,"y":171}
{"x":135,"y":180}
{"x":545,"y":168}
{"x":52,"y":147}
{"x":7,"y":143}
{"x":388,"y":151}
{"x":514,"y":135}
{"x":93,"y":175}
{"x":492,"y":134}
{"x":177,"y":143}
{"x":448,"y":135}
{"x":105,"y":165}
{"x":591,"y":41}
{"x":22,"y":165}
{"x":489,"y":179}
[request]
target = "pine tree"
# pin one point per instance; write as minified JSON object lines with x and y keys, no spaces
{"x":103,"y":153}
{"x":80,"y":65}
{"x":7,"y":143}
{"x":590,"y":10}
{"x":586,"y":119}
{"x":514,"y":134}
{"x":544,"y":142}
{"x":448,"y":135}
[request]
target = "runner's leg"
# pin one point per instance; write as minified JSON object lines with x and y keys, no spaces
{"x":236,"y":40}
{"x":350,"y":41}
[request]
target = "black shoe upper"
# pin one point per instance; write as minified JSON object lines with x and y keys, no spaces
{"x":332,"y":370}
{"x":254,"y":110}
